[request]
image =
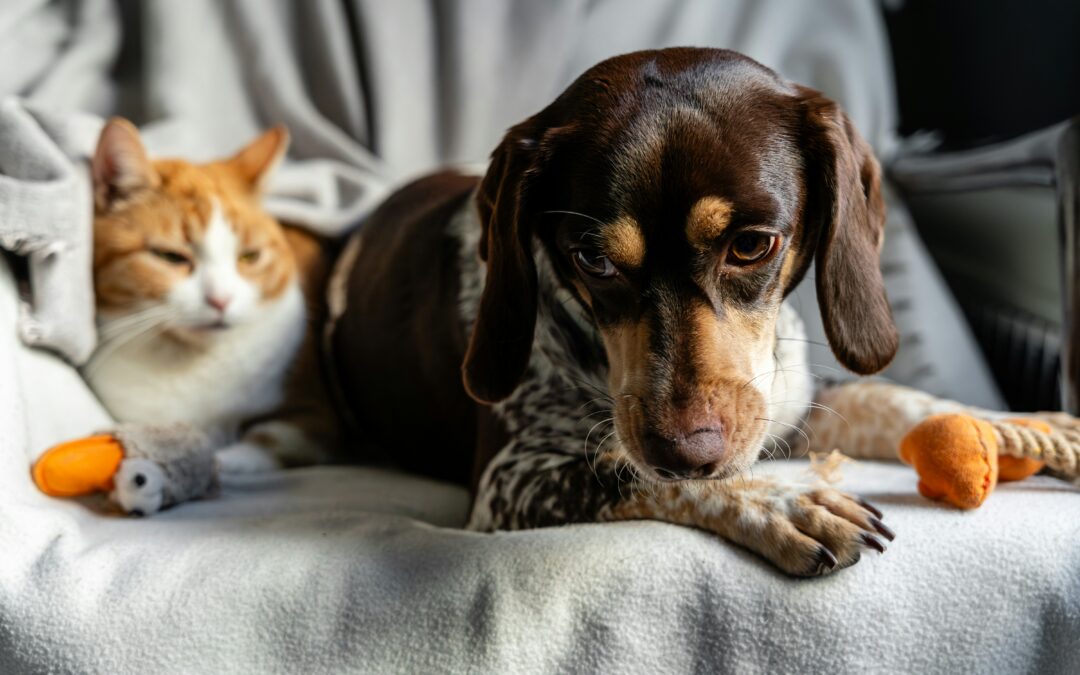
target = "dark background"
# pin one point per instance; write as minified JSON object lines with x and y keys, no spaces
{"x":979,"y":72}
{"x":985,"y":70}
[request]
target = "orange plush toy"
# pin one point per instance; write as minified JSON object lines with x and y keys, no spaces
{"x":142,"y":468}
{"x":960,"y":458}
{"x":80,"y":467}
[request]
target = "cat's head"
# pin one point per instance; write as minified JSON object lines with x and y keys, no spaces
{"x":187,"y":246}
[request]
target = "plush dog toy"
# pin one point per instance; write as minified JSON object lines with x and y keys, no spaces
{"x":142,"y":468}
{"x":960,"y":458}
{"x":959,"y":452}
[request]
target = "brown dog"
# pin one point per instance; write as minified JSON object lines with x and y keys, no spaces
{"x":640,"y":235}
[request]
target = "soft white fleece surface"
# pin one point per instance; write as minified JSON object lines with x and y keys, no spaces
{"x":350,"y":569}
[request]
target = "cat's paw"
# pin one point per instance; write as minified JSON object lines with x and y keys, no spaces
{"x":246,"y":458}
{"x":139,"y":487}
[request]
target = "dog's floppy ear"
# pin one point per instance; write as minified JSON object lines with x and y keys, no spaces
{"x":502,"y":336}
{"x":844,"y":223}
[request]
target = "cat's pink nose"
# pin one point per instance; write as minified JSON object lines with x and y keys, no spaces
{"x":218,"y":302}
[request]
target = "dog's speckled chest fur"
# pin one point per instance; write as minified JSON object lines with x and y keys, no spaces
{"x":564,"y":391}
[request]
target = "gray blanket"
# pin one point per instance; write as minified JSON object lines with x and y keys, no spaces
{"x":351,"y":569}
{"x":377,"y":92}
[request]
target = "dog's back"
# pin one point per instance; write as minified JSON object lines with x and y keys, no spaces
{"x":399,"y":347}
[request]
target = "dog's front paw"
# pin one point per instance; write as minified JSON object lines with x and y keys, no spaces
{"x":805,"y":532}
{"x":139,"y":487}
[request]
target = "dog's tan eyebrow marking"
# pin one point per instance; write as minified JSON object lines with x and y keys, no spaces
{"x":708,"y":219}
{"x":624,"y":243}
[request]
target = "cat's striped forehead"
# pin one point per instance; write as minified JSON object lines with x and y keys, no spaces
{"x":199,"y":196}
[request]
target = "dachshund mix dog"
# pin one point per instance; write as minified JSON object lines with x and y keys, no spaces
{"x":594,"y":330}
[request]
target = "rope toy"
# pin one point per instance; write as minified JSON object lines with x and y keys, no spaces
{"x":960,"y":458}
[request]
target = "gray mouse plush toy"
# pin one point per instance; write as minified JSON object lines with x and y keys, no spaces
{"x":162,"y":466}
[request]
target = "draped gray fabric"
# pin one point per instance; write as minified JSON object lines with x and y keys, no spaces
{"x":377,"y":92}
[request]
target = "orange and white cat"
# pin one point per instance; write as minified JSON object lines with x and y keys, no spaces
{"x":200,"y":310}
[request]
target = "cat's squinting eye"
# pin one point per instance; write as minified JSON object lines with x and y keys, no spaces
{"x":250,"y":256}
{"x":171,"y":257}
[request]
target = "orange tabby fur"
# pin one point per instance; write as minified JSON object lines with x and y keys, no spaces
{"x":152,"y":217}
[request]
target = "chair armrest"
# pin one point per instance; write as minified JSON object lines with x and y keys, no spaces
{"x":1047,"y":158}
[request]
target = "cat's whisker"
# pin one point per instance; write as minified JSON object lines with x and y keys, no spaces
{"x":119,"y":333}
{"x":118,"y":338}
{"x":117,"y":329}
{"x":131,"y":329}
{"x":111,"y":328}
{"x":107,"y":349}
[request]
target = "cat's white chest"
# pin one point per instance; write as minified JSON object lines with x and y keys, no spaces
{"x":240,"y":374}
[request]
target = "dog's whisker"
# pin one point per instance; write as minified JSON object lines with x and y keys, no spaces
{"x":777,"y":440}
{"x":809,"y":342}
{"x":595,"y":388}
{"x":815,"y":406}
{"x":787,"y":370}
{"x":775,"y":448}
{"x":597,"y":412}
{"x":603,"y":421}
{"x":794,"y":427}
{"x":790,"y":426}
{"x":575,"y":213}
{"x":591,"y":401}
{"x":827,"y":367}
{"x":588,"y":458}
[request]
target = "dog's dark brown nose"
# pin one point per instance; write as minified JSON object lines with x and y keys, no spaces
{"x":695,"y":455}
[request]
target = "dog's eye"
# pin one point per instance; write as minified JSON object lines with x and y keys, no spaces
{"x":171,"y":257}
{"x":750,"y":247}
{"x":594,"y":264}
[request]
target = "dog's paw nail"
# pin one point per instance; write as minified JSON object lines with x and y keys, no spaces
{"x":870,"y":541}
{"x":139,"y":480}
{"x":871,"y":508}
{"x":826,"y":559}
{"x":882,"y":529}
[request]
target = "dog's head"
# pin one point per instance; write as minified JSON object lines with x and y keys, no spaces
{"x":680,"y":195}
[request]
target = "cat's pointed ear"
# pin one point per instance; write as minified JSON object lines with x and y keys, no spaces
{"x":120,"y":165}
{"x":257,"y":160}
